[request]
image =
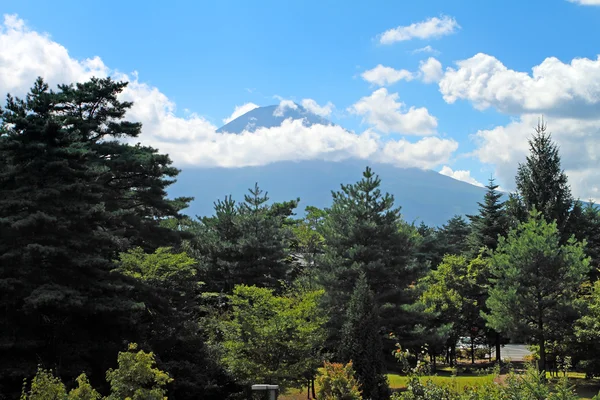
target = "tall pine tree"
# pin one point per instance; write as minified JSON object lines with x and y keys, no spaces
{"x":364,"y":232}
{"x":490,"y":223}
{"x":71,"y":198}
{"x":542,"y":184}
{"x":361,"y":342}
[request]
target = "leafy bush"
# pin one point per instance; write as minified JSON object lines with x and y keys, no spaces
{"x":337,"y":382}
{"x":529,"y":386}
{"x":136,"y":378}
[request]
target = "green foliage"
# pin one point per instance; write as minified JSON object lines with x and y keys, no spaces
{"x":361,"y":342}
{"x":536,"y":283}
{"x":453,"y":236}
{"x":337,"y":382}
{"x":245,"y":243}
{"x":587,"y":332}
{"x":273,"y":339}
{"x":84,"y":390}
{"x":455,"y":293}
{"x":163,"y":265}
{"x":137,"y":377}
{"x":542,"y":184}
{"x":491,"y":222}
{"x":364,"y":232}
{"x":73,"y":196}
{"x":528,"y":386}
{"x":44,"y":386}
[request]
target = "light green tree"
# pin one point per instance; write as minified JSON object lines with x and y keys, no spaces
{"x":273,"y":339}
{"x":536,"y":283}
{"x":137,"y":377}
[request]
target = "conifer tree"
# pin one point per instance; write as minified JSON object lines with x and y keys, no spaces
{"x":71,"y":198}
{"x":361,"y":342}
{"x":490,"y":223}
{"x":542,"y":184}
{"x":364,"y":232}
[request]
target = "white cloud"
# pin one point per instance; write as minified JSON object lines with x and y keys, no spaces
{"x":586,"y":2}
{"x":430,"y":28}
{"x":425,"y":153}
{"x":578,"y":140}
{"x":239,"y":111}
{"x":283,"y":104}
{"x":426,"y":49}
{"x":37,"y":55}
{"x":313,"y":107}
{"x":461,"y":175}
{"x":388,"y":115}
{"x":431,"y":70}
{"x":385,"y":76}
{"x":553,"y":88}
{"x":193,"y":140}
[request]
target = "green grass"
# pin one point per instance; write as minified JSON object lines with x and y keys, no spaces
{"x":455,"y":383}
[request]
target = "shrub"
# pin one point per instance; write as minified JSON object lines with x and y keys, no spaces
{"x":337,"y":382}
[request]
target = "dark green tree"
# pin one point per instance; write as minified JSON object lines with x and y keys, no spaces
{"x":364,"y":232}
{"x":246,"y":243}
{"x":71,"y":198}
{"x":487,"y":227}
{"x":490,"y":223}
{"x":453,"y":236}
{"x":542,"y":184}
{"x":536,"y":283}
{"x":361,"y":342}
{"x":428,"y":250}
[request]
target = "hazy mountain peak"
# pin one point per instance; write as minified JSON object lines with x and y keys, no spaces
{"x":272,"y":116}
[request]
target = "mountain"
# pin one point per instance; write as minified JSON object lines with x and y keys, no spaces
{"x":271,"y":116}
{"x":424,"y":195}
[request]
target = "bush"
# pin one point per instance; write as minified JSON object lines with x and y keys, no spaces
{"x":337,"y":382}
{"x":137,"y":378}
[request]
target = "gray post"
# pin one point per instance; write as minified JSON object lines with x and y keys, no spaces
{"x":267,"y":392}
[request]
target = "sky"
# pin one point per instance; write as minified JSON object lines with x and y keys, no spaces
{"x":454,"y":86}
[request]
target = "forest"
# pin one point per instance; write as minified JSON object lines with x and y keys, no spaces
{"x":109,"y":291}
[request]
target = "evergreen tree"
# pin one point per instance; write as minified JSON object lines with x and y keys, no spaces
{"x":361,"y":342}
{"x":363,"y":232}
{"x":542,"y":184}
{"x":536,"y":284}
{"x":491,"y":222}
{"x":71,"y":198}
{"x":247,"y":243}
{"x":453,"y":236}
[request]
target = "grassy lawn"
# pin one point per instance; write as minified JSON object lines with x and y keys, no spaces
{"x":585,"y":389}
{"x":455,"y":383}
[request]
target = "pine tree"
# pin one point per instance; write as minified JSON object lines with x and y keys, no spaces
{"x":490,"y":223}
{"x":361,"y":342}
{"x":71,"y":198}
{"x":453,"y":236}
{"x":542,"y":184}
{"x":364,"y":232}
{"x":536,"y":284}
{"x":246,"y":243}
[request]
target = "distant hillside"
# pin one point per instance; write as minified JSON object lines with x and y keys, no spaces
{"x":268,"y":117}
{"x":423,"y":195}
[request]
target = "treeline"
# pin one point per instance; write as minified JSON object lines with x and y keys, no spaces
{"x":94,"y":257}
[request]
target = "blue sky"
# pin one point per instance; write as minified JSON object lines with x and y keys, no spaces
{"x":211,"y":56}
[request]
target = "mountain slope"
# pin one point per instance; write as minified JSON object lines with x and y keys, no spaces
{"x":269,"y":117}
{"x":423,"y":195}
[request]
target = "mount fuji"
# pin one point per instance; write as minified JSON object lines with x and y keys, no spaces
{"x":424,"y":195}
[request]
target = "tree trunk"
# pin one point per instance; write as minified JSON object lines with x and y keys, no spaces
{"x":472,"y":350}
{"x":433,"y":364}
{"x":313,"y":388}
{"x":452,"y":355}
{"x":498,"y":347}
{"x":308,"y":390}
